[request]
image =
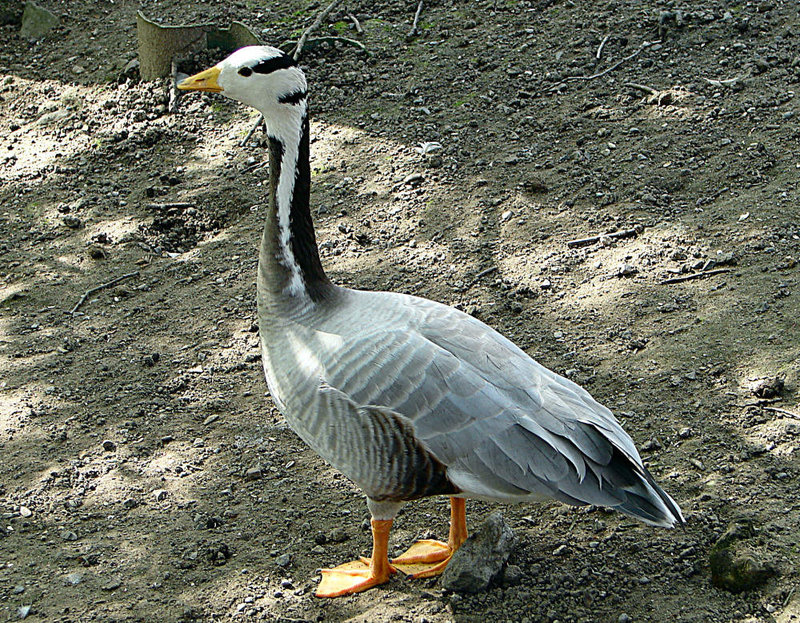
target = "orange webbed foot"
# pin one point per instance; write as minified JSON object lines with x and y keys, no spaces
{"x":424,"y":559}
{"x":351,"y":577}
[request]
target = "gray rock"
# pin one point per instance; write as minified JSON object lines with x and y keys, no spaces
{"x":481,"y":558}
{"x":72,"y":579}
{"x":36,"y":22}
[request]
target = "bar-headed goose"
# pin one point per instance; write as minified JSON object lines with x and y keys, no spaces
{"x":407,"y":397}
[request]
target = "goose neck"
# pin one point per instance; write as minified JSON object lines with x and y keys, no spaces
{"x":289,"y":264}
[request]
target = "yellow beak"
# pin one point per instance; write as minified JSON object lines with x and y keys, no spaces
{"x":204,"y":81}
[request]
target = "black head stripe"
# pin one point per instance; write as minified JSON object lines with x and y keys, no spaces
{"x":295,"y":97}
{"x":274,"y":64}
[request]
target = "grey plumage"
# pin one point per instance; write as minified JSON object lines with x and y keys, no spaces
{"x":371,"y":377}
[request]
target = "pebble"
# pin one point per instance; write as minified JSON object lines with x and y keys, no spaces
{"x":254,"y":473}
{"x":72,"y":579}
{"x":210,"y":419}
{"x":18,"y":589}
{"x":69,"y":535}
{"x":24,"y":511}
{"x":23,"y":611}
{"x":283,"y":560}
{"x":112,"y":584}
{"x":160,"y":494}
{"x":650,"y":445}
{"x":624,"y":618}
{"x":109,"y":446}
{"x":560,"y":550}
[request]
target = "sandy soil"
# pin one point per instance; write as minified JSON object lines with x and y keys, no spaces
{"x":144,"y":474}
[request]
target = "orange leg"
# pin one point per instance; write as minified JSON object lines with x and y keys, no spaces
{"x":359,"y":575}
{"x":427,"y":558}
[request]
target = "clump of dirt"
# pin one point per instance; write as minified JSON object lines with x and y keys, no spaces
{"x":615,"y":190}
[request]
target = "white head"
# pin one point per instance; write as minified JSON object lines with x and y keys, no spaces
{"x":262,"y":77}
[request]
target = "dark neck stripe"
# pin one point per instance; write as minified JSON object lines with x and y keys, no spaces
{"x":274,"y":64}
{"x":301,"y":228}
{"x":295,"y":97}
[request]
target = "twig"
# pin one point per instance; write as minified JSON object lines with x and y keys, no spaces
{"x":356,"y":23}
{"x":602,"y":45}
{"x":700,"y":275}
{"x":643,"y":88}
{"x":102,"y":286}
{"x":314,"y":25}
{"x":724,"y":83}
{"x":481,"y":275}
{"x":174,"y":94}
{"x":252,"y":131}
{"x":638,"y":51}
{"x":414,"y":29}
{"x":625,"y":233}
{"x":783,"y":412}
{"x":167,"y":206}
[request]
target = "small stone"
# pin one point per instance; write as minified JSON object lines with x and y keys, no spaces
{"x":626,"y":270}
{"x":112,"y":584}
{"x":284,"y":560}
{"x":130,"y":503}
{"x":109,"y":446}
{"x":23,"y":611}
{"x":73,"y":222}
{"x":697,"y":463}
{"x":767,"y":388}
{"x":685,"y":433}
{"x":210,"y":419}
{"x":96,"y":252}
{"x":413,"y":179}
{"x":481,"y":558}
{"x":560,"y":550}
{"x":254,"y":473}
{"x":73,"y":579}
{"x":24,"y":511}
{"x":513,"y":575}
{"x":160,"y":494}
{"x":506,"y":216}
{"x":337,"y":535}
{"x":650,"y":445}
{"x":167,"y":439}
{"x":18,"y":589}
{"x":623,"y":618}
{"x":69,"y":535}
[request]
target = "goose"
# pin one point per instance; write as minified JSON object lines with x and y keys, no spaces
{"x":405,"y":396}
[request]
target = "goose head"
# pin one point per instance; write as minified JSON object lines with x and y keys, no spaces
{"x":259,"y":76}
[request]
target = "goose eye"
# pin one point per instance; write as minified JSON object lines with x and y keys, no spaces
{"x":245,"y":71}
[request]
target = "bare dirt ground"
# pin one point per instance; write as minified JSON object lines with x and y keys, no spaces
{"x":144,"y":474}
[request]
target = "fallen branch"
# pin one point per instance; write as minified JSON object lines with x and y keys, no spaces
{"x":638,"y":51}
{"x":314,"y":25}
{"x":783,"y":412}
{"x":414,"y":27}
{"x":625,"y":233}
{"x":102,"y":286}
{"x":334,"y":39}
{"x":481,"y":275}
{"x":166,"y":206}
{"x":356,"y":23}
{"x":700,"y":275}
{"x":602,"y":45}
{"x":643,"y":88}
{"x":724,"y":83}
{"x":260,"y":121}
